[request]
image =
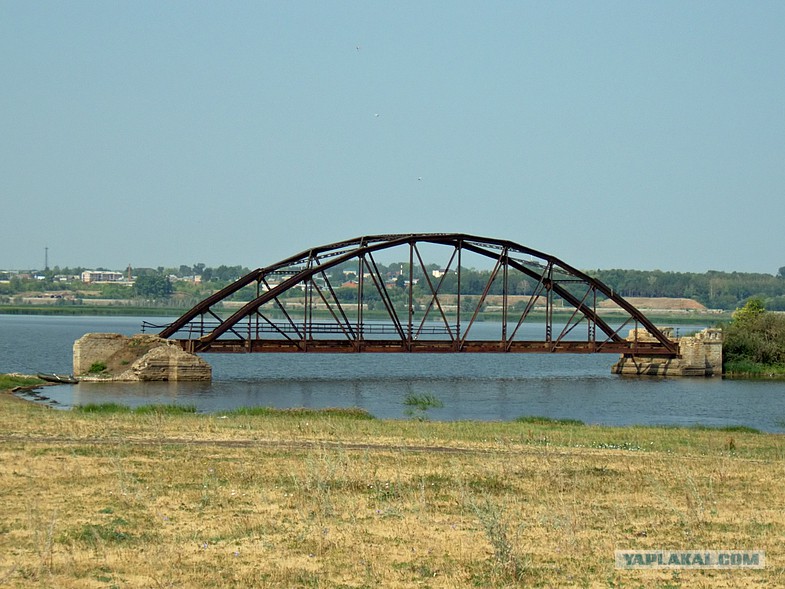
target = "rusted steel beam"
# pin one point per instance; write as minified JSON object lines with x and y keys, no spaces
{"x":223,"y":346}
{"x":205,"y":305}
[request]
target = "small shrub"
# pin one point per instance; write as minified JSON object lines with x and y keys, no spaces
{"x":97,"y":368}
{"x":505,"y":560}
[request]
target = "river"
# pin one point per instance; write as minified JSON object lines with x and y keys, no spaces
{"x":470,"y":386}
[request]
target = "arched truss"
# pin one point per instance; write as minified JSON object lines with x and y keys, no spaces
{"x":562,"y":301}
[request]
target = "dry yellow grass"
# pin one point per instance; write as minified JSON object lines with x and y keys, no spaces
{"x":123,"y":500}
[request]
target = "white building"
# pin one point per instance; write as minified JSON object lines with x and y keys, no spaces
{"x":89,"y":276}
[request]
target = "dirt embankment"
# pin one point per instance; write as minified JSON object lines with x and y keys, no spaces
{"x":658,"y":304}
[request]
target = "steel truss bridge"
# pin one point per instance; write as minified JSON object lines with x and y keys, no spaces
{"x":338,"y":298}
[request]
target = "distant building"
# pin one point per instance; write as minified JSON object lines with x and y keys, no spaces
{"x":90,"y":276}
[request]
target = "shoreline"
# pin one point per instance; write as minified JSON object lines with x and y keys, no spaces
{"x":113,"y":409}
{"x":16,"y":391}
{"x":262,"y":413}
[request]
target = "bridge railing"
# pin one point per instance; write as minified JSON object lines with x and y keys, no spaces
{"x":195,"y":330}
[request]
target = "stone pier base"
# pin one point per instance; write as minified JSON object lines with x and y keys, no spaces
{"x":115,"y":357}
{"x":700,"y":355}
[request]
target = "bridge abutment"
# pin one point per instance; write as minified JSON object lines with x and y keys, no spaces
{"x":699,"y":355}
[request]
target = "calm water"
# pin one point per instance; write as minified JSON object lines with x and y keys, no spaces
{"x":478,"y":386}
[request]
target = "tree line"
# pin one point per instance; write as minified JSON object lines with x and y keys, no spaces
{"x":714,"y":289}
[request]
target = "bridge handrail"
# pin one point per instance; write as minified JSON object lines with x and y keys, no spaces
{"x":311,"y":328}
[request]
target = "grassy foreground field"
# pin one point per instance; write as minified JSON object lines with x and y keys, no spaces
{"x":122,"y":499}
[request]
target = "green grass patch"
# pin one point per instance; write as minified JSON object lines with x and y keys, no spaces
{"x":164,"y":409}
{"x":542,"y":420}
{"x":748,"y":368}
{"x":113,"y":408}
{"x":95,"y":535}
{"x":300,"y":412}
{"x":102,"y":408}
{"x":741,"y":429}
{"x":10,"y":381}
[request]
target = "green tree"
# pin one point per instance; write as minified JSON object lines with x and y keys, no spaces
{"x":228,"y":273}
{"x":749,"y":313}
{"x":153,"y":286}
{"x":755,"y":337}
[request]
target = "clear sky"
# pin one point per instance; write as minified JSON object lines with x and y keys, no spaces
{"x":623,"y":134}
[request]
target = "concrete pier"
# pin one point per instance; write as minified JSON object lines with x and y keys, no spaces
{"x":700,"y":355}
{"x":137,"y":358}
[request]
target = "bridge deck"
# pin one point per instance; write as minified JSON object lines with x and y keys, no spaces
{"x":224,"y":346}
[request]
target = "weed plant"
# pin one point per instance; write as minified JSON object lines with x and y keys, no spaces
{"x":417,"y":406}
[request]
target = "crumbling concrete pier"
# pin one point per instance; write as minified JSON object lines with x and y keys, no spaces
{"x":700,"y":355}
{"x":115,"y":357}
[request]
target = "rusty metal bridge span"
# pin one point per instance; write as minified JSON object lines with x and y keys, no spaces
{"x":342,"y":298}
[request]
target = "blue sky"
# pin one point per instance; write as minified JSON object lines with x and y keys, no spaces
{"x":622,"y":134}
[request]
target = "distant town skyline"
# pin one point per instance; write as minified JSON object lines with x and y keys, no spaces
{"x":124,"y":269}
{"x":609,"y":134}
